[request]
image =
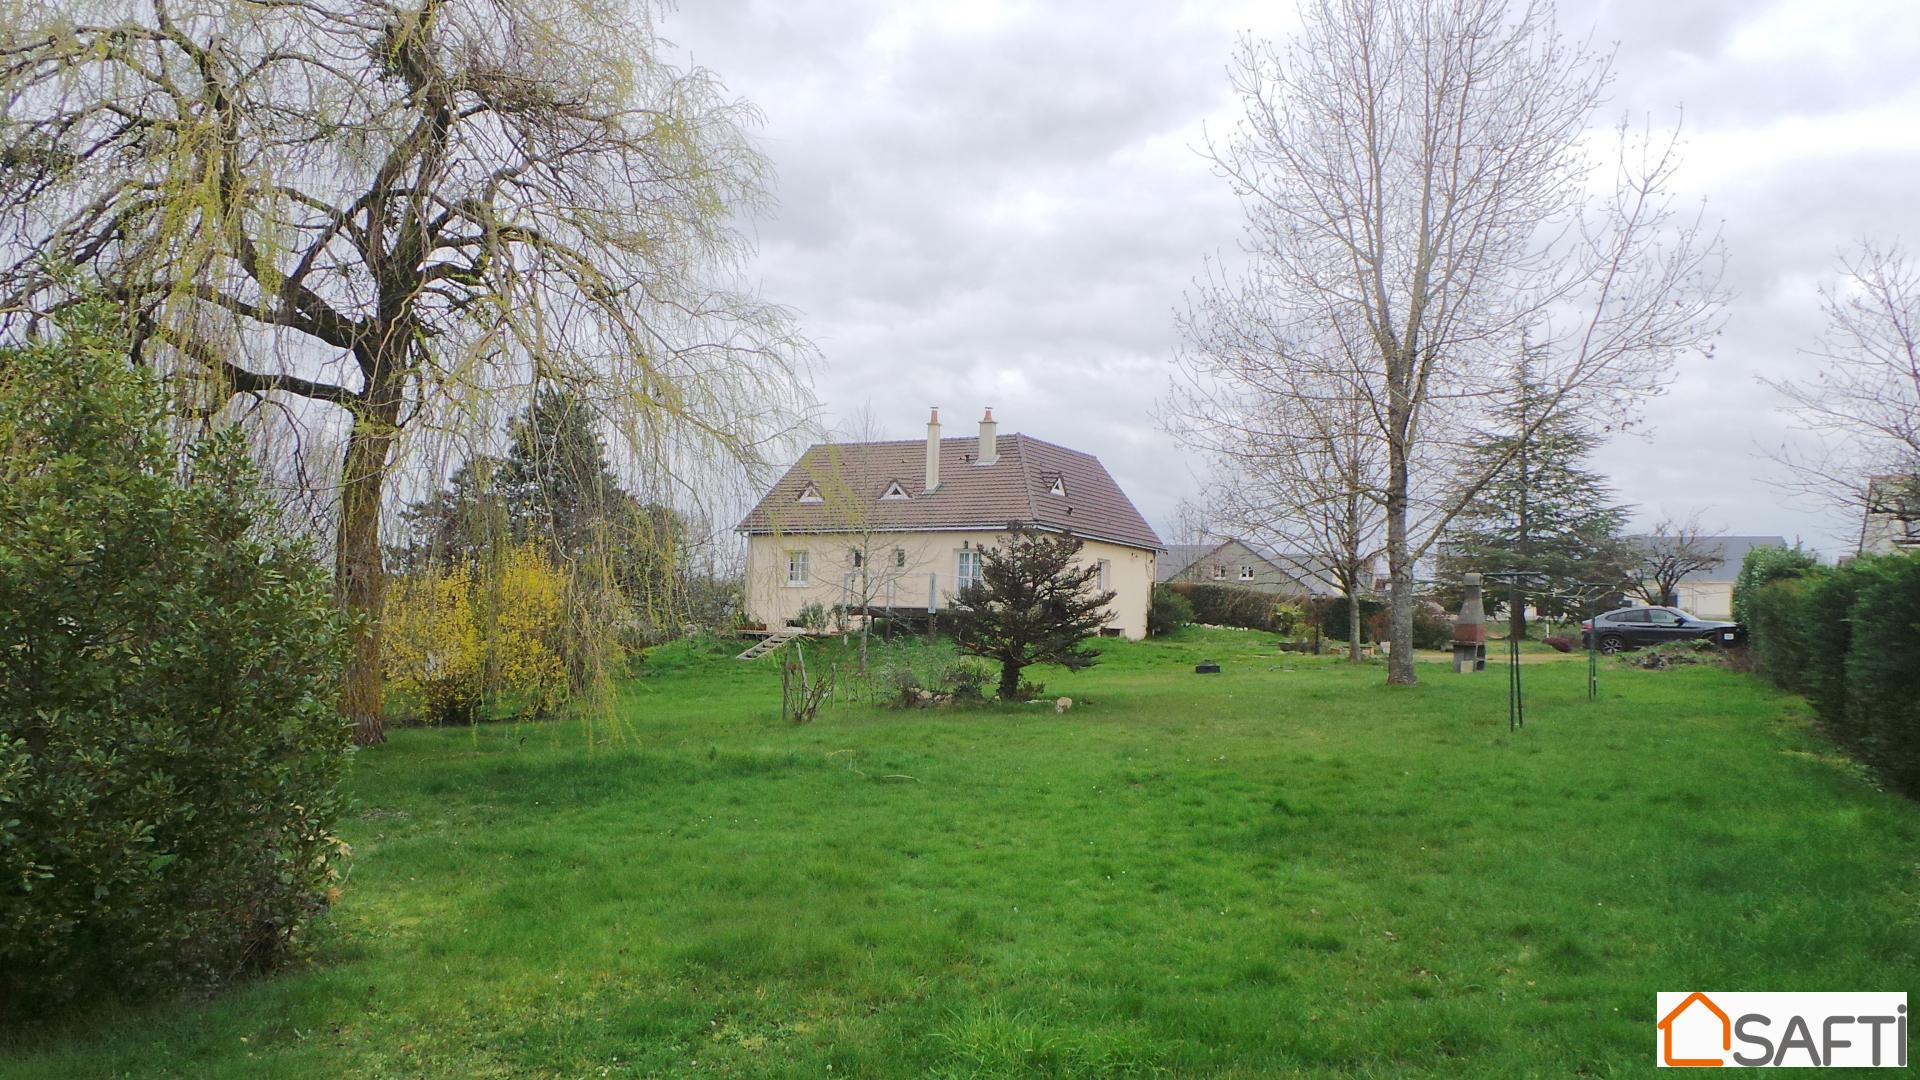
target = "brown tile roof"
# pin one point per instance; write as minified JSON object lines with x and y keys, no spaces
{"x":851,"y":477}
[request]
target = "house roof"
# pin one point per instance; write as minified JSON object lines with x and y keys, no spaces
{"x":1308,"y":570}
{"x":1181,"y":556}
{"x":1016,"y":489}
{"x":1732,"y":550}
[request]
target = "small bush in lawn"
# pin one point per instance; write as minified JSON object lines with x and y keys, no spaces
{"x":169,"y":746}
{"x":813,"y":617}
{"x":966,"y":681}
{"x":1288,"y":619}
{"x":1168,"y":613}
{"x":1031,"y":691}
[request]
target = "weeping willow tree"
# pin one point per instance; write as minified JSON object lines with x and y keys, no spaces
{"x":358,"y":219}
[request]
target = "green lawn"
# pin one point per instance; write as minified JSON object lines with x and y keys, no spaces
{"x":1286,"y":868}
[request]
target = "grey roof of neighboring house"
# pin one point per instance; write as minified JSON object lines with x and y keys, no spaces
{"x":1305,"y":569}
{"x":1733,"y":551}
{"x":1013,"y":490}
{"x":1181,"y":556}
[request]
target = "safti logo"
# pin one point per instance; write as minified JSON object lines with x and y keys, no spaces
{"x":1722,"y":1030}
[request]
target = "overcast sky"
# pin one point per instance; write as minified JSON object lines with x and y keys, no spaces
{"x":988,"y":203}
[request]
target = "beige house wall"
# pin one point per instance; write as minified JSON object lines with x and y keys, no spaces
{"x":1707,"y":599}
{"x":928,"y":563}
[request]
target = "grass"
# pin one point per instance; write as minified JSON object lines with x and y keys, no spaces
{"x":1285,"y":868}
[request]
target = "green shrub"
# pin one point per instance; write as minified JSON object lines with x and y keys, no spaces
{"x":1289,"y":619}
{"x":1169,"y":611}
{"x":813,"y":617}
{"x":1846,"y":637}
{"x":1431,"y":629}
{"x":169,"y":749}
{"x":1226,"y":605}
{"x":1882,"y":696}
{"x":1761,"y":566}
{"x":1776,"y":632}
{"x":966,"y":680}
{"x":1824,"y":631}
{"x":1333,"y":616}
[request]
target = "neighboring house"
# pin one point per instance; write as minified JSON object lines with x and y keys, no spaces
{"x":1709,"y":593}
{"x":902,"y":525}
{"x":1891,"y":520}
{"x":1236,"y":562}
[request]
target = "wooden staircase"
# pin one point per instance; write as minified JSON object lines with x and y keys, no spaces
{"x":771,"y":642}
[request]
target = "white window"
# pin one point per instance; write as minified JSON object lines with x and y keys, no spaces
{"x":796,"y":568}
{"x":1219,"y":571}
{"x":966,"y":569}
{"x":810,"y":494}
{"x":899,"y":558}
{"x":1106,"y":574}
{"x":1246,"y":573}
{"x":895,"y":491}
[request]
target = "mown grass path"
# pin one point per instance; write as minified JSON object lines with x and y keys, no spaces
{"x":1288,"y":868}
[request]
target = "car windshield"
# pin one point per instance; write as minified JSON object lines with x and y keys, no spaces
{"x":1687,"y":615}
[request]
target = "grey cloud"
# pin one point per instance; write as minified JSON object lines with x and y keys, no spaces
{"x":1009,"y":214}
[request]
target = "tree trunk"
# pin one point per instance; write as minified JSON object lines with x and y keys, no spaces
{"x":360,"y":577}
{"x":1353,"y":626}
{"x":1399,"y":563}
{"x":1009,"y":680}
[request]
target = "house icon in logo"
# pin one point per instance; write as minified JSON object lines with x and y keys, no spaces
{"x":1666,"y":1031}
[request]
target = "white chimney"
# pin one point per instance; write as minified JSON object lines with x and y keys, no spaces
{"x":933,"y":451}
{"x":989,"y":440}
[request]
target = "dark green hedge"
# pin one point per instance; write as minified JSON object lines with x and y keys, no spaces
{"x":1849,"y":639}
{"x":1226,"y":605}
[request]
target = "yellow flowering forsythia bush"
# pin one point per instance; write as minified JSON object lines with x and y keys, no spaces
{"x":461,"y":639}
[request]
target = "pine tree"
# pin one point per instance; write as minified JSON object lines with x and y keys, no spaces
{"x":1035,"y":603}
{"x":1544,"y":515}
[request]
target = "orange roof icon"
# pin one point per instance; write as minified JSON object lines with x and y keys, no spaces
{"x":1666,"y":1031}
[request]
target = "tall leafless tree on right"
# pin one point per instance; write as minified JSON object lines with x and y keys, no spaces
{"x":1863,"y":405}
{"x":1416,"y":174}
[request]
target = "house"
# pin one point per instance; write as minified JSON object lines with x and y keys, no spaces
{"x":1890,"y":521}
{"x":902,"y":525}
{"x":1238,"y":563}
{"x":1708,"y":593}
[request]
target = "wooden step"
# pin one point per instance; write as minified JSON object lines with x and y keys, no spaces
{"x":771,"y":642}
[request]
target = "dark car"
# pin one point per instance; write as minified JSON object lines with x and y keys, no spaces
{"x":1632,"y":627}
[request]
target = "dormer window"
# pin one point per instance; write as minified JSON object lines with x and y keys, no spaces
{"x":1059,"y":487}
{"x":810,"y":494}
{"x":895,"y":491}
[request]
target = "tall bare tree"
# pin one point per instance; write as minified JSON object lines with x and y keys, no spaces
{"x":1416,"y":181}
{"x":1863,"y":404}
{"x":1296,"y":466}
{"x":376,"y":214}
{"x":1668,"y":554}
